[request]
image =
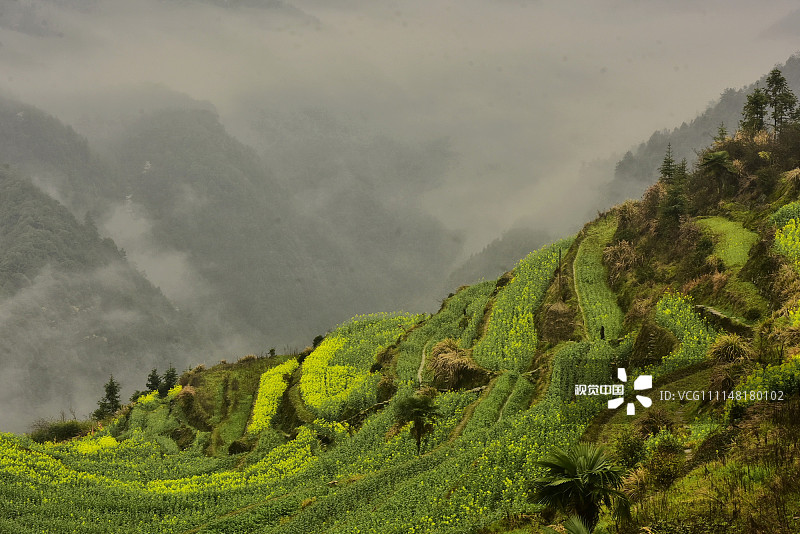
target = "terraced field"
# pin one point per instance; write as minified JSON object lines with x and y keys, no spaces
{"x":458,"y":319}
{"x":346,"y":465}
{"x":511,"y":338}
{"x":597,"y":301}
{"x":474,"y":466}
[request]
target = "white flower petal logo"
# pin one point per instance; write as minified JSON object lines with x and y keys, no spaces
{"x":641,"y":383}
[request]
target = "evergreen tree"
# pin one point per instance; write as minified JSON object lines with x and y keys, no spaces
{"x":754,"y":111}
{"x":170,"y":377}
{"x":722,"y":134}
{"x":719,"y":167}
{"x":780,"y":98}
{"x":109,"y":404}
{"x":153,"y":380}
{"x":667,"y":167}
{"x":676,"y":201}
{"x":168,"y":381}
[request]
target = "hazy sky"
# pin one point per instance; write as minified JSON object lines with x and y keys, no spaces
{"x":522,"y":92}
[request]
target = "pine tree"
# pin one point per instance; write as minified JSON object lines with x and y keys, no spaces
{"x":667,"y":168}
{"x":780,"y":98}
{"x":168,"y":381}
{"x":722,"y":134}
{"x":676,"y":201}
{"x":170,"y":377}
{"x":754,"y":111}
{"x":153,"y":380}
{"x":109,"y":404}
{"x":719,"y":167}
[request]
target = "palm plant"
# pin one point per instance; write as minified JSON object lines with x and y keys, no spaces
{"x":573,"y":525}
{"x":581,"y":481}
{"x":420,"y":410}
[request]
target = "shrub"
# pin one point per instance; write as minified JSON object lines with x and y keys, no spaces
{"x":629,"y":447}
{"x":451,"y":365}
{"x":666,"y":459}
{"x":654,"y":420}
{"x":730,"y":348}
{"x":44,"y":430}
{"x":620,"y":259}
{"x":786,"y":213}
{"x":665,"y":466}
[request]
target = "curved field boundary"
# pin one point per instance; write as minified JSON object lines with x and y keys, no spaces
{"x":457,"y":314}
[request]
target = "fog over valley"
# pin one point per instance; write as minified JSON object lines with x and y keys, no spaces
{"x":216,"y":178}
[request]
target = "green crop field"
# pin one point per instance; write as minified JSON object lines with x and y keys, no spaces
{"x":459,"y":319}
{"x":598,"y":303}
{"x":511,"y":337}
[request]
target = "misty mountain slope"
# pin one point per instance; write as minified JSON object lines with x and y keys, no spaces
{"x":633,"y":173}
{"x":36,"y":231}
{"x":226,"y":239}
{"x":365,"y":191}
{"x":73,"y":311}
{"x":285,"y":259}
{"x":196,"y":190}
{"x":57,"y":158}
{"x":102,"y":114}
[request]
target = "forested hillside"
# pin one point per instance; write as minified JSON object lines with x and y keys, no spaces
{"x":176,"y":190}
{"x":72,"y":310}
{"x":59,"y":160}
{"x":281,"y":260}
{"x":633,"y":172}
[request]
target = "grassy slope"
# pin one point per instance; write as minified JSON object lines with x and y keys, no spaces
{"x":223,"y":397}
{"x":733,"y":240}
{"x":733,"y":243}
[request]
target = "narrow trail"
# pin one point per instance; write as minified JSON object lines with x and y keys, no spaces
{"x":421,"y":365}
{"x":510,"y":394}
